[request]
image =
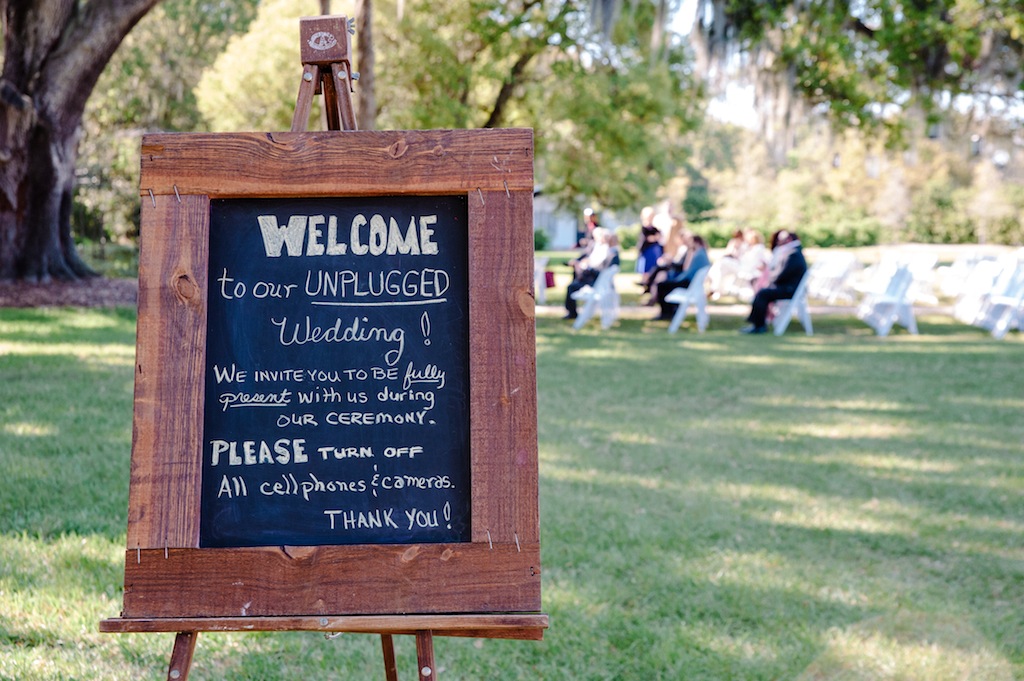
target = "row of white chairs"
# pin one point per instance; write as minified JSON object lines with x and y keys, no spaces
{"x":602,"y":299}
{"x":992,"y":298}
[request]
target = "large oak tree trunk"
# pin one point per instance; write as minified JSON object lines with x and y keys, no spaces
{"x":54,"y":52}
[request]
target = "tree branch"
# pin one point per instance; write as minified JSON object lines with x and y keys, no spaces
{"x":505,"y":93}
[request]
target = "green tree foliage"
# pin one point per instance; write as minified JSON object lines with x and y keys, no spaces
{"x":612,"y":135}
{"x":254,"y":82}
{"x":848,"y":189}
{"x":871,"y":64}
{"x":148,"y":85}
{"x":608,"y":118}
{"x":939,"y":216}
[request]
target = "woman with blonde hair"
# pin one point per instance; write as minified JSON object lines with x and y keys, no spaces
{"x":603,"y":253}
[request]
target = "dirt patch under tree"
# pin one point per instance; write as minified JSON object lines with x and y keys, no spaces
{"x":93,"y":292}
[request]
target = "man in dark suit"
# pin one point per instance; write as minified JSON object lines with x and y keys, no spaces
{"x":789,"y":267}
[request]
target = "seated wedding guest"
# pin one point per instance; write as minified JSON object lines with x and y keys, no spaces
{"x":787,"y":269}
{"x":602,"y":254}
{"x":585,"y":232}
{"x":770,"y":268}
{"x":755,"y":257}
{"x":725,"y":269}
{"x":672,"y":231}
{"x":696,"y":257}
{"x":649,"y":247}
{"x":751,"y":267}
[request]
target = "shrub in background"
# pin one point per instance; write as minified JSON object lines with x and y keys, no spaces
{"x":629,"y":236}
{"x":698,"y":204}
{"x":540,"y":239}
{"x":938,"y":216}
{"x":718,"y":232}
{"x":1009,"y":228}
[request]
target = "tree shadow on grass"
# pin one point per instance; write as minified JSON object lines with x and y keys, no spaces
{"x":881,"y":466}
{"x":924,"y":646}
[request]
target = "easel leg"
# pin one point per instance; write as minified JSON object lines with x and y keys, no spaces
{"x":387,"y":644}
{"x":425,"y":655}
{"x":304,"y":103}
{"x":181,"y":657}
{"x":342,"y":97}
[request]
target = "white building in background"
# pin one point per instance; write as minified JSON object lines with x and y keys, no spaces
{"x":560,"y":224}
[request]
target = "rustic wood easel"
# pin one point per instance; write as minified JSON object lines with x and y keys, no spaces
{"x":327,"y":70}
{"x":168,"y":577}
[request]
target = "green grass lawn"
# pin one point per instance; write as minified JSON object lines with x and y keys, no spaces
{"x":713,"y":506}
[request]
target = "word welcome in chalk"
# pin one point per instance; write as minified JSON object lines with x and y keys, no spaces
{"x":304,"y":235}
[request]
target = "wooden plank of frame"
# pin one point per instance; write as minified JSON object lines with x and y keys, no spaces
{"x":174,"y":569}
{"x":170,"y":352}
{"x":366,"y":163}
{"x":325,"y":580}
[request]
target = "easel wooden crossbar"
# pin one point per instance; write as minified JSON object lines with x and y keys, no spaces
{"x":423,"y":627}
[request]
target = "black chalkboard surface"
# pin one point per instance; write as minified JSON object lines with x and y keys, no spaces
{"x":337,"y":406}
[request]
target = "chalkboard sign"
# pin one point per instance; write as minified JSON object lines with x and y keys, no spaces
{"x":337,"y":408}
{"x":335,"y":384}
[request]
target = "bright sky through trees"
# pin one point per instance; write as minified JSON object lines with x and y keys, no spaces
{"x":736,"y":106}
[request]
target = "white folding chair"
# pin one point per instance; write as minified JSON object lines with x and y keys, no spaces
{"x":980,"y":284}
{"x":954,"y":279}
{"x":602,"y":297}
{"x":694,"y":295}
{"x":797,"y":305}
{"x":881,"y":311}
{"x":1011,"y":314}
{"x":1001,"y":311}
{"x":830,"y":277}
{"x":540,"y":285}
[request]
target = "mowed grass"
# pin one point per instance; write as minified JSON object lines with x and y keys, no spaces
{"x":713,"y":506}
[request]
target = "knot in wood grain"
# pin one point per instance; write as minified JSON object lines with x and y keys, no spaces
{"x":527,"y":303}
{"x":299,"y":552}
{"x":398,"y":149}
{"x":438,"y":151}
{"x":185,"y":287}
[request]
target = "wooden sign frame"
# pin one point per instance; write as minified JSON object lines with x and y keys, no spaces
{"x":168,"y":577}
